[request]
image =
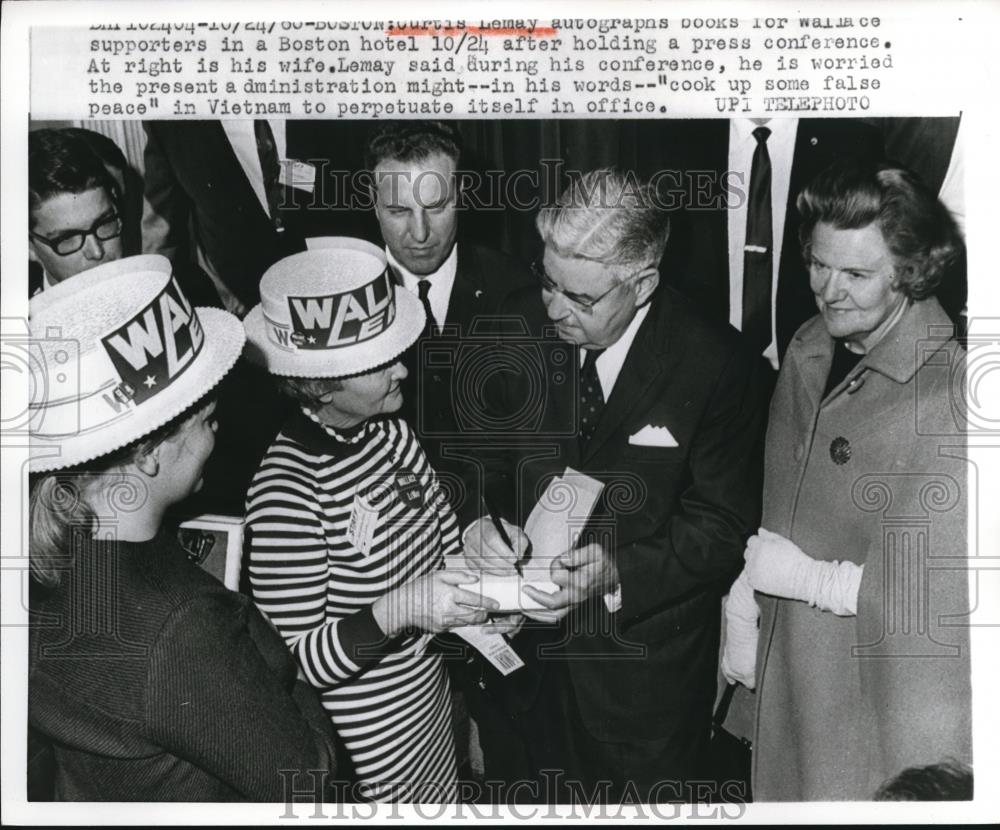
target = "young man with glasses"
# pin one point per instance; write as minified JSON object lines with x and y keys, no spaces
{"x":668,"y":414}
{"x":73,"y":207}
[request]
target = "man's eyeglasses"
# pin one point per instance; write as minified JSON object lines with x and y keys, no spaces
{"x":105,"y":228}
{"x":584,"y":304}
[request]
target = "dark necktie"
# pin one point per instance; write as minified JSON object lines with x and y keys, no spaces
{"x":758,"y":251}
{"x":423,"y":291}
{"x":270,"y":167}
{"x":591,"y":396}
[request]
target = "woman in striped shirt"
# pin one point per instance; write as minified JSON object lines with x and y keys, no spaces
{"x":348,"y":527}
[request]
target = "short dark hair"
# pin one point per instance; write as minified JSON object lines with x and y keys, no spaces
{"x":947,"y":781}
{"x":62,"y":161}
{"x":411,"y":141}
{"x":918,"y":229}
{"x":107,"y":151}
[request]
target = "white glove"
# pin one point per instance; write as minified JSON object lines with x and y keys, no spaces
{"x":778,"y":567}
{"x":739,"y":657}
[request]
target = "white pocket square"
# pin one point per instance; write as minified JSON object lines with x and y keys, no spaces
{"x":650,"y":436}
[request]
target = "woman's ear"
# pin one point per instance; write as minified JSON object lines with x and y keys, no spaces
{"x":148,"y":461}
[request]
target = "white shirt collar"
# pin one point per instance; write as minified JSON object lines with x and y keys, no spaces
{"x":441,"y":282}
{"x":612,"y":359}
{"x":782,"y":129}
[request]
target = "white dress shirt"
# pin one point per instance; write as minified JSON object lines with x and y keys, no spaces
{"x":780,"y":149}
{"x":610,"y":362}
{"x":609,"y":366}
{"x":244,"y":142}
{"x":441,"y":282}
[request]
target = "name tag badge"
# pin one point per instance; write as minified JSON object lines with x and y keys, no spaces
{"x":409,"y":490}
{"x":298,"y":174}
{"x":361,"y":529}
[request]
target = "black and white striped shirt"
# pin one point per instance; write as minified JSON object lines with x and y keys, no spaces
{"x":388,"y":699}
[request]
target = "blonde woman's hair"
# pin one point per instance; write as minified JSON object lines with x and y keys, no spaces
{"x":59,"y":502}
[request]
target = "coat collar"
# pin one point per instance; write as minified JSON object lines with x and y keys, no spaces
{"x":896,"y":356}
{"x":922,"y":331}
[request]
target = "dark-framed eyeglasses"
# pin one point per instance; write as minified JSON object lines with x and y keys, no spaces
{"x":584,"y":304}
{"x":107,"y":227}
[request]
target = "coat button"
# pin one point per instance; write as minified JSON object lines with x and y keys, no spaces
{"x":840,"y":450}
{"x":798,"y":452}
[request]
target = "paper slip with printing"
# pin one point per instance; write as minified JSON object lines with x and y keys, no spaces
{"x":492,"y":646}
{"x":361,"y":528}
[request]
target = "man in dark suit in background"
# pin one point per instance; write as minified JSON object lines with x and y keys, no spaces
{"x":669,"y":416}
{"x":711,"y":249}
{"x":237,"y":196}
{"x":413,"y":165}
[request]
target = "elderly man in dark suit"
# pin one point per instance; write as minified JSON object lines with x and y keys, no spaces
{"x":417,"y":195}
{"x":668,"y":414}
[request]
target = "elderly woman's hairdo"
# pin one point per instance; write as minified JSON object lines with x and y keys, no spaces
{"x":308,"y":391}
{"x":918,"y":229}
{"x":607,"y":216}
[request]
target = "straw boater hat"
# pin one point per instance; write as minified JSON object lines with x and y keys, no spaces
{"x":330,"y":312}
{"x":117,"y":352}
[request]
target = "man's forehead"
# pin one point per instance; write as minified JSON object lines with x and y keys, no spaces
{"x":428,"y":177}
{"x":576,"y":274}
{"x":72,"y":211}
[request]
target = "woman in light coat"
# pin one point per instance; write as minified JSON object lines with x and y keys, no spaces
{"x":859,"y":570}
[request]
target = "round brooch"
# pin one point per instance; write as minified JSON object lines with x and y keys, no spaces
{"x":840,"y":450}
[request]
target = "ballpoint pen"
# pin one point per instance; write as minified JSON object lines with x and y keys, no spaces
{"x":498,"y":524}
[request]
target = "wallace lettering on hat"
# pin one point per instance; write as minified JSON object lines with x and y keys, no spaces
{"x":344,"y":319}
{"x":154,"y":347}
{"x":143,"y":355}
{"x":331,"y":311}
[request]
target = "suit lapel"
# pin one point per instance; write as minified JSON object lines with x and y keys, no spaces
{"x":466,"y":292}
{"x":648,"y":359}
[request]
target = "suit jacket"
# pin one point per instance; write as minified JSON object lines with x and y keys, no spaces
{"x":697,"y":257}
{"x":844,"y":703}
{"x":674,"y":518}
{"x":193,"y":177}
{"x":438,"y":405}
